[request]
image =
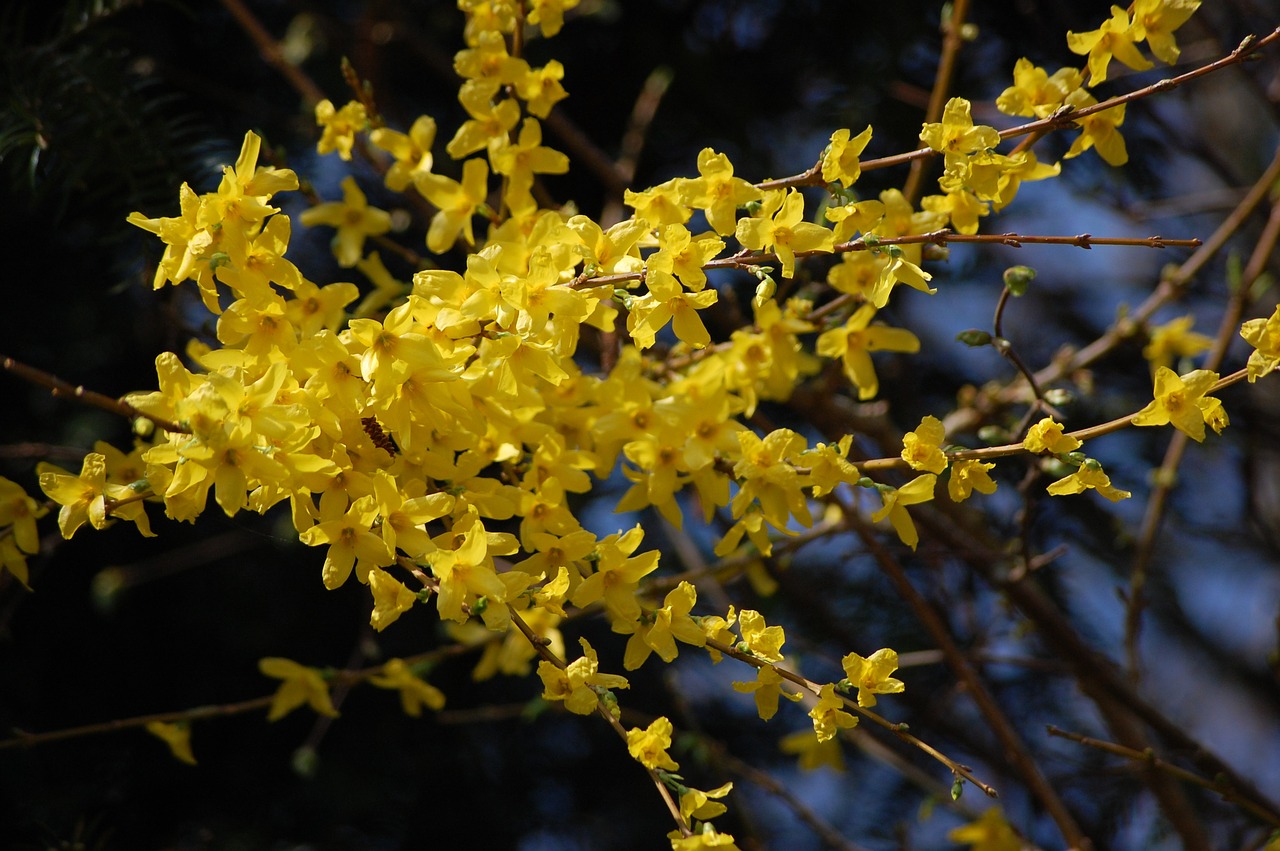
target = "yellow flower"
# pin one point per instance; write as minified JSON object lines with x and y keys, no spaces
{"x":780,"y":226}
{"x":1099,"y":130}
{"x":1047,"y":436}
{"x":177,"y":736}
{"x":1264,"y":336}
{"x":659,"y":631}
{"x":340,"y":127}
{"x":921,"y":448}
{"x":412,"y":151}
{"x":576,"y":684}
{"x":813,"y":753}
{"x":696,"y":804}
{"x":1089,"y":475}
{"x":301,"y":685}
{"x":81,"y":497}
{"x":717,"y":192}
{"x":1157,"y":19}
{"x":1174,"y":339}
{"x":989,"y":833}
{"x":415,"y":693}
{"x":457,"y":202}
{"x":763,"y":642}
{"x":390,"y":599}
{"x":828,"y":716}
{"x":896,"y":500}
{"x":1034,"y":93}
{"x":521,"y":160}
{"x":766,"y":688}
{"x":541,"y":89}
{"x":856,"y":339}
{"x":649,"y":746}
{"x":617,"y":576}
{"x":1115,"y":37}
{"x":488,"y":122}
{"x":871,"y":675}
{"x":20,"y":511}
{"x":707,"y":839}
{"x":969,"y":476}
{"x":956,"y":133}
{"x":1180,"y":400}
{"x":840,"y":160}
{"x":354,"y":219}
{"x":548,"y":15}
{"x":347,"y":530}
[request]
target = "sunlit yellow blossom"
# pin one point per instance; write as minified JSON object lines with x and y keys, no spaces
{"x":340,"y":127}
{"x":1088,"y":476}
{"x":412,"y":151}
{"x":1180,"y":401}
{"x":489,"y":61}
{"x":762,"y":641}
{"x":896,"y":500}
{"x":1099,"y":130}
{"x":576,"y":683}
{"x":780,"y":227}
{"x":301,"y":685}
{"x":812,"y":752}
{"x":489,"y":121}
{"x":649,"y":746}
{"x":1116,"y":38}
{"x":1036,"y":94}
{"x":706,"y":839}
{"x":870,"y":675}
{"x":1264,"y":336}
{"x":540,"y":88}
{"x":519,"y":161}
{"x":658,"y":631}
{"x":956,"y":133}
{"x":548,"y":15}
{"x":457,"y":202}
{"x":617,"y":575}
{"x":354,"y":219}
{"x":766,"y":688}
{"x":1174,"y":340}
{"x":989,"y":833}
{"x":829,"y":716}
{"x":921,"y":449}
{"x":1048,"y":436}
{"x":854,"y":342}
{"x":717,"y":192}
{"x":840,"y":160}
{"x":1157,"y":19}
{"x":415,"y":693}
{"x":347,"y":532}
{"x":177,"y":735}
{"x":717,"y":628}
{"x":20,"y":512}
{"x":969,"y":476}
{"x":696,"y":804}
{"x":85,"y":497}
{"x":390,"y":599}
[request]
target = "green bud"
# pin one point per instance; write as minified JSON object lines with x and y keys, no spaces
{"x":1077,"y":458}
{"x":1018,"y":278}
{"x":305,"y":762}
{"x":957,"y":789}
{"x":974,"y":338}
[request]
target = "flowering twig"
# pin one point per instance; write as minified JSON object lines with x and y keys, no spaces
{"x":64,"y":389}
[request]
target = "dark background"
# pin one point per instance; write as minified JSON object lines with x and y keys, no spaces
{"x":108,"y":107}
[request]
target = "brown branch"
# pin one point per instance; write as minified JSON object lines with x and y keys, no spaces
{"x":62,"y":389}
{"x":952,"y":41}
{"x":271,"y":53}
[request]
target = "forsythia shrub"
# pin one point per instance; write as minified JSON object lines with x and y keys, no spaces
{"x":435,"y":439}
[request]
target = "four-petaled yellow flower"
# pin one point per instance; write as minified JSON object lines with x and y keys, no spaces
{"x":780,"y":226}
{"x":391,"y":599}
{"x":764,"y":642}
{"x":829,"y":716}
{"x":969,"y":476}
{"x":840,"y":160}
{"x":896,"y":500}
{"x":578,"y":682}
{"x":856,"y":339}
{"x":649,"y":746}
{"x":766,"y":688}
{"x":354,"y":219}
{"x":1158,"y":19}
{"x":1088,"y":476}
{"x":1116,"y":38}
{"x":1180,"y":401}
{"x":301,"y":685}
{"x":870,"y":675}
{"x":989,"y":833}
{"x":415,"y":692}
{"x":956,"y":133}
{"x":340,"y":127}
{"x":1047,"y":436}
{"x":1264,"y":336}
{"x":1174,"y":339}
{"x":921,"y":449}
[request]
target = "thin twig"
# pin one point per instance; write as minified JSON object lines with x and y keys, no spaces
{"x":63,"y":389}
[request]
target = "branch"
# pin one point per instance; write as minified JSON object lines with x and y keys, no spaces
{"x":59,"y":388}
